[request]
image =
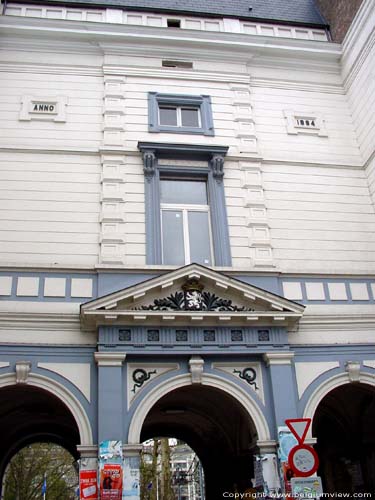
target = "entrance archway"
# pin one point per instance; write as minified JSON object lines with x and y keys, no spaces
{"x":216,"y":426}
{"x":344,"y":427}
{"x":29,"y":414}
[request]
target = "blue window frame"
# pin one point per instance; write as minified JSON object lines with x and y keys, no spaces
{"x":206,"y":202}
{"x":180,"y":114}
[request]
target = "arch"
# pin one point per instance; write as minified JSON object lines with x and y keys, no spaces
{"x":65,"y":396}
{"x":252,"y":408}
{"x":326,"y":387}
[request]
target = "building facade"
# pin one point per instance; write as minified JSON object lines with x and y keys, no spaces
{"x":187,"y":233}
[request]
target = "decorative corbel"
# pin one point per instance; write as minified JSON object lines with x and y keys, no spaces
{"x":217,"y":166}
{"x":23,"y":369}
{"x":353,"y":369}
{"x":196,"y":369}
{"x":149,"y":164}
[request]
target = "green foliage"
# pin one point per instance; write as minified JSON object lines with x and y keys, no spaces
{"x":25,"y":473}
{"x":156,"y":472}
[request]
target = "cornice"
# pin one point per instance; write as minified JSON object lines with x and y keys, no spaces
{"x":278,"y":358}
{"x":40,"y":149}
{"x":177,"y":150}
{"x":109,"y":358}
{"x":341,"y":166}
{"x":176,"y":74}
{"x":52,"y":69}
{"x":358,"y":27}
{"x":333,"y":321}
{"x":38,"y":321}
{"x":110,"y":38}
{"x":358,"y":24}
{"x":99,"y":71}
{"x":364,"y":53}
{"x":293,"y":85}
{"x":126,"y":151}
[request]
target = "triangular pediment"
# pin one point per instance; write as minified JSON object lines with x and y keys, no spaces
{"x":195,"y":294}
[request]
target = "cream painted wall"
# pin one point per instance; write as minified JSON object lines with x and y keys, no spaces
{"x":296,"y":203}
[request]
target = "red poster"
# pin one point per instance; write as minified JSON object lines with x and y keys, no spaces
{"x":111,"y":482}
{"x":88,"y":489}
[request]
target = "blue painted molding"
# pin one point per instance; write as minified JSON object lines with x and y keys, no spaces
{"x":200,"y":102}
{"x":182,"y":151}
{"x":152,"y":218}
{"x":191,"y":340}
{"x":325,"y":282}
{"x":41,"y":276}
{"x":333,"y":352}
{"x":219,"y":222}
{"x":107,"y":282}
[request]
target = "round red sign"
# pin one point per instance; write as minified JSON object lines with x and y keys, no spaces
{"x":303,"y":460}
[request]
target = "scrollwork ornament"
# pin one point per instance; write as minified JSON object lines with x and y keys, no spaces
{"x":248,"y":375}
{"x":140,"y":376}
{"x":149,"y":160}
{"x":217,"y":165}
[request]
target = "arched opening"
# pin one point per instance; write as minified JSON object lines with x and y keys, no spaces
{"x":29,"y":415}
{"x":216,"y":426}
{"x":344,"y":427}
{"x":170,"y":470}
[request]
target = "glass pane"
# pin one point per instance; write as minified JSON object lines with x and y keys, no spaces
{"x":168,"y":116}
{"x":183,"y":191}
{"x":189,"y":117}
{"x":199,"y":236}
{"x":173,"y":237}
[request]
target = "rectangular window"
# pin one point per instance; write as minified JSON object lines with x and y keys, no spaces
{"x":180,"y":114}
{"x":185,"y":222}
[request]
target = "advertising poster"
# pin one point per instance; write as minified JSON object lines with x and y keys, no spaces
{"x":286,"y":442}
{"x":110,"y":470}
{"x":131,"y":478}
{"x":88,"y":480}
{"x":111,"y":482}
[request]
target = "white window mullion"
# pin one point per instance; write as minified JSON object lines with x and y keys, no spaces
{"x":179,"y":117}
{"x":186,"y":235}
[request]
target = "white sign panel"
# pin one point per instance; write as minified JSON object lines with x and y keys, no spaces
{"x":306,"y":487}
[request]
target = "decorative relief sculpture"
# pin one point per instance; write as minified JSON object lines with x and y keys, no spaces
{"x":193,"y":298}
{"x":149,"y":160}
{"x":217,"y":165}
{"x":249,"y":375}
{"x":140,"y":376}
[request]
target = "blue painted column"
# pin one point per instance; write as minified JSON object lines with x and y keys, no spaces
{"x":284,"y":391}
{"x":110,"y":395}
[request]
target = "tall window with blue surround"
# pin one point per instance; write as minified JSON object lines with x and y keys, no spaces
{"x":186,"y":218}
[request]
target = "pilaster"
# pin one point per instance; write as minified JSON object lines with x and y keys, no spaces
{"x":110,"y":395}
{"x":257,"y":221}
{"x":112,"y":238}
{"x":243,"y":119}
{"x":114,"y":110}
{"x":284,"y":391}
